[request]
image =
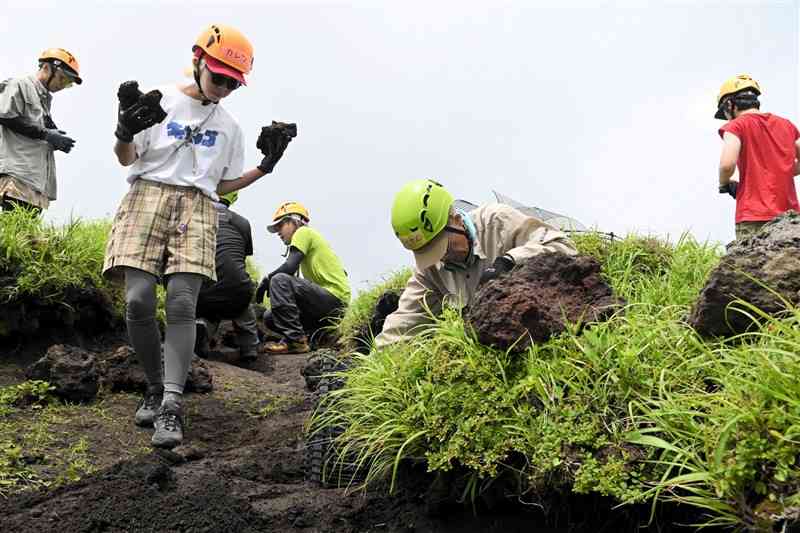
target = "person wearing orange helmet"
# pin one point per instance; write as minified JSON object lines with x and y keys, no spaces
{"x":28,"y":134}
{"x":184,"y":150}
{"x":301,"y":306}
{"x":766,"y":149}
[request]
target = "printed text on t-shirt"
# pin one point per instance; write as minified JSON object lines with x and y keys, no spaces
{"x":203,"y":138}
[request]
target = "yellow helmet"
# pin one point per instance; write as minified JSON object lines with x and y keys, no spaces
{"x":287,"y":209}
{"x":732,"y":86}
{"x":61,"y":58}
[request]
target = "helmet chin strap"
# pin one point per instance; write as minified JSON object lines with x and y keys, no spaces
{"x":50,"y":78}
{"x":205,"y":100}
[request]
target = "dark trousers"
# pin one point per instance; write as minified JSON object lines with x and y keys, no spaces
{"x":299,"y":307}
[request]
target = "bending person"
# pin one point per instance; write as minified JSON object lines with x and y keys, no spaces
{"x":456,"y":251}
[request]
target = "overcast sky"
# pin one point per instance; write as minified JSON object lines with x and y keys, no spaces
{"x":598,"y":110}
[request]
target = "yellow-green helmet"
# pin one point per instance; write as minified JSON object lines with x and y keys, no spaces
{"x":229,"y":198}
{"x":420,"y":212}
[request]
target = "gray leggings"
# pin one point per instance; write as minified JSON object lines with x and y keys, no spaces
{"x":140,"y":297}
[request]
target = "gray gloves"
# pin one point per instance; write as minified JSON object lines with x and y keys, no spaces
{"x":58,"y":140}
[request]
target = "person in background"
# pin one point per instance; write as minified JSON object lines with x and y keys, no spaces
{"x":29,"y":136}
{"x":765,"y":148}
{"x":229,"y":297}
{"x":301,"y":306}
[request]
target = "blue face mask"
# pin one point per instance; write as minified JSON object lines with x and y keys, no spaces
{"x":472,"y":234}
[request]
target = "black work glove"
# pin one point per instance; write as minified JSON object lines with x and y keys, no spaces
{"x":263,"y":290}
{"x":137,"y":111}
{"x":58,"y":140}
{"x":501,"y":265}
{"x":729,"y":188}
{"x":272,"y":142}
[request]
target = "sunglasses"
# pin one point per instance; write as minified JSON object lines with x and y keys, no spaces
{"x":221,"y":80}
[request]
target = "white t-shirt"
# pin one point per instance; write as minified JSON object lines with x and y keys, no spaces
{"x":214,"y":151}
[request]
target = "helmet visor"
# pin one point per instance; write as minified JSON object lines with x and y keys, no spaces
{"x":433,"y":252}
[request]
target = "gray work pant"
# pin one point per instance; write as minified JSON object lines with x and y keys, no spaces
{"x":299,"y":307}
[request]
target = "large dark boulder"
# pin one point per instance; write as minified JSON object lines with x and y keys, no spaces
{"x":538,"y":299}
{"x":120,"y":371}
{"x":761,"y":270}
{"x":71,"y":370}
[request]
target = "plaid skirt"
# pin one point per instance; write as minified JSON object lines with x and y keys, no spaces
{"x":163,"y":229}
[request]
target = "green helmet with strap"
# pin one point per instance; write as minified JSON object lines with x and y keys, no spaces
{"x":229,"y":198}
{"x":420,"y":212}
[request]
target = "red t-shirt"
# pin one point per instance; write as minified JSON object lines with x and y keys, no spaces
{"x":766,"y":166}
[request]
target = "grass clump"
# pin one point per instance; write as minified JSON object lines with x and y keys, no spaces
{"x":355,"y":322}
{"x":638,"y":408}
{"x":43,"y":260}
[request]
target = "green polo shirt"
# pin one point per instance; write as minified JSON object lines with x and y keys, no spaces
{"x":320,"y":265}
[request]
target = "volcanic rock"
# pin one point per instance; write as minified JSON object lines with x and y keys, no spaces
{"x":121,"y":371}
{"x":71,"y":370}
{"x":763,"y":270}
{"x":538,"y":299}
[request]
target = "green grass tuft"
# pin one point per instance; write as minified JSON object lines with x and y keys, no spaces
{"x":638,"y":408}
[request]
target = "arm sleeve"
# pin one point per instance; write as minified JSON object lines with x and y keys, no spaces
{"x":291,"y":264}
{"x":12,"y":104}
{"x":412,"y":312}
{"x":524,"y":236}
{"x":18,"y":126}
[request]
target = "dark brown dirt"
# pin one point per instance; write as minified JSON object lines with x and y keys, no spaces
{"x":538,"y":299}
{"x":243,"y":468}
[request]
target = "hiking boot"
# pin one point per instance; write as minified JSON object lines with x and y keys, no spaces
{"x":248,"y":355}
{"x":169,"y":426}
{"x":286,"y":346}
{"x":148,"y":405}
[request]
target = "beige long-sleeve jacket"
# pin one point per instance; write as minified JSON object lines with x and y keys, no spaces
{"x":500,"y":230}
{"x":30,"y":161}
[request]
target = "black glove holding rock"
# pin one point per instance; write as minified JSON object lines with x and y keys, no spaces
{"x":272,"y":142}
{"x":501,"y":265}
{"x":137,"y":111}
{"x":729,"y":188}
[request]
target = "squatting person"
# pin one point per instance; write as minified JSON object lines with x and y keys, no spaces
{"x":301,"y":306}
{"x":229,"y":297}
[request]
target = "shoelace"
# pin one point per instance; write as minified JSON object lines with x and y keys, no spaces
{"x":170,"y":420}
{"x":151,"y":401}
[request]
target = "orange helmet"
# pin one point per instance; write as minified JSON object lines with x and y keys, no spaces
{"x":227,"y":45}
{"x":62,"y":58}
{"x":287,"y":209}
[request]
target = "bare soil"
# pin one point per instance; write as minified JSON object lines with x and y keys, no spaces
{"x":243,"y":468}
